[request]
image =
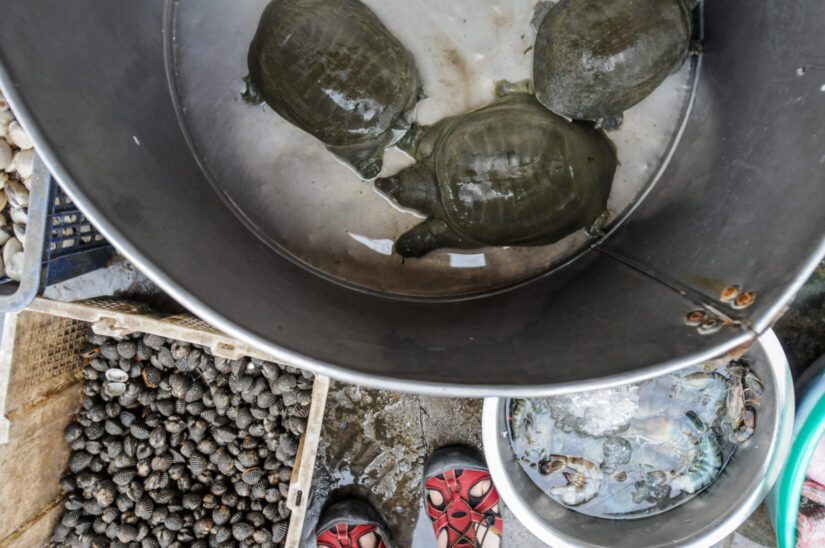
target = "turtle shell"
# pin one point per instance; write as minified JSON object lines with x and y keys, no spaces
{"x":594,"y":59}
{"x":333,"y":69}
{"x":513,"y":173}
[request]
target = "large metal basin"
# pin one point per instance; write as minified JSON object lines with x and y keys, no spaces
{"x":740,"y":202}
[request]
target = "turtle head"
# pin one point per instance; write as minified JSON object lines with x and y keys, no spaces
{"x":417,"y":242}
{"x":428,"y":236}
{"x":413,"y":188}
{"x":424,"y":238}
{"x":417,"y":142}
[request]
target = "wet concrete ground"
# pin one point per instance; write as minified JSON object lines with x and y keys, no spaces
{"x":802,"y":328}
{"x":374,"y":445}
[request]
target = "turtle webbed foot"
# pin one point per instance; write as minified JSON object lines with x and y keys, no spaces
{"x":369,"y":169}
{"x":250,"y":95}
{"x":366,"y":159}
{"x":610,"y":122}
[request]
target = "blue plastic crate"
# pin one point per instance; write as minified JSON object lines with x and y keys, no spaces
{"x":73,"y":245}
{"x":60,"y":243}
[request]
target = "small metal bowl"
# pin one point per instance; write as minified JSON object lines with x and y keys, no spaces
{"x":704,"y":520}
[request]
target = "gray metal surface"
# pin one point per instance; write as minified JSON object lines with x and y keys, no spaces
{"x":742,"y":200}
{"x":92,"y":91}
{"x":702,"y":521}
{"x":13,"y":295}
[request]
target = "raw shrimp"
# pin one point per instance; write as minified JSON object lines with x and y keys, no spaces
{"x":753,"y":386}
{"x":584,"y":478}
{"x":520,"y":416}
{"x":739,"y":419}
{"x":710,"y":388}
{"x":657,"y":433}
{"x":702,"y":380}
{"x":707,"y":460}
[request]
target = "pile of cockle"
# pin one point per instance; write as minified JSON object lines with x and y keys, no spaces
{"x":16,"y":165}
{"x":639,"y":449}
{"x":176,"y":447}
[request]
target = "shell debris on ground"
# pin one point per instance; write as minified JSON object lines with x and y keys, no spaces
{"x":16,"y":167}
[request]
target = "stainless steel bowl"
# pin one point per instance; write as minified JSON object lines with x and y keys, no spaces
{"x":704,"y":520}
{"x":739,"y":203}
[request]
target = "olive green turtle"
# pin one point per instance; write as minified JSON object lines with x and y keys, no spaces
{"x":593,"y":59}
{"x":333,"y":69}
{"x":509,"y":174}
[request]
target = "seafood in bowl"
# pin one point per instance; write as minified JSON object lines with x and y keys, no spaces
{"x":334,"y":70}
{"x":510,"y":173}
{"x":636,"y":450}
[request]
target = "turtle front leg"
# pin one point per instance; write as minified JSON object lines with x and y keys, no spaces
{"x":414,"y":188}
{"x":367,"y":158}
{"x":542,"y":9}
{"x":428,"y":236}
{"x":251,"y":95}
{"x":610,"y":122}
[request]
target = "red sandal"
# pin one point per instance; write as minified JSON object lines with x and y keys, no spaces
{"x":346,"y":523}
{"x":453,"y":472}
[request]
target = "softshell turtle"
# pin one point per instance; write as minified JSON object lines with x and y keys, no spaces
{"x":508,"y":174}
{"x":333,"y":69}
{"x":594,"y":59}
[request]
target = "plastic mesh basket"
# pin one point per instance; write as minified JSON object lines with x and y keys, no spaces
{"x":73,"y":245}
{"x":60,"y":243}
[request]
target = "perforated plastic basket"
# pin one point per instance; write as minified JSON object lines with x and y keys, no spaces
{"x":73,"y":245}
{"x":60,"y":243}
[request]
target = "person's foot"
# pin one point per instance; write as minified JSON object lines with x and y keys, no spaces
{"x":461,"y":500}
{"x":351,"y":524}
